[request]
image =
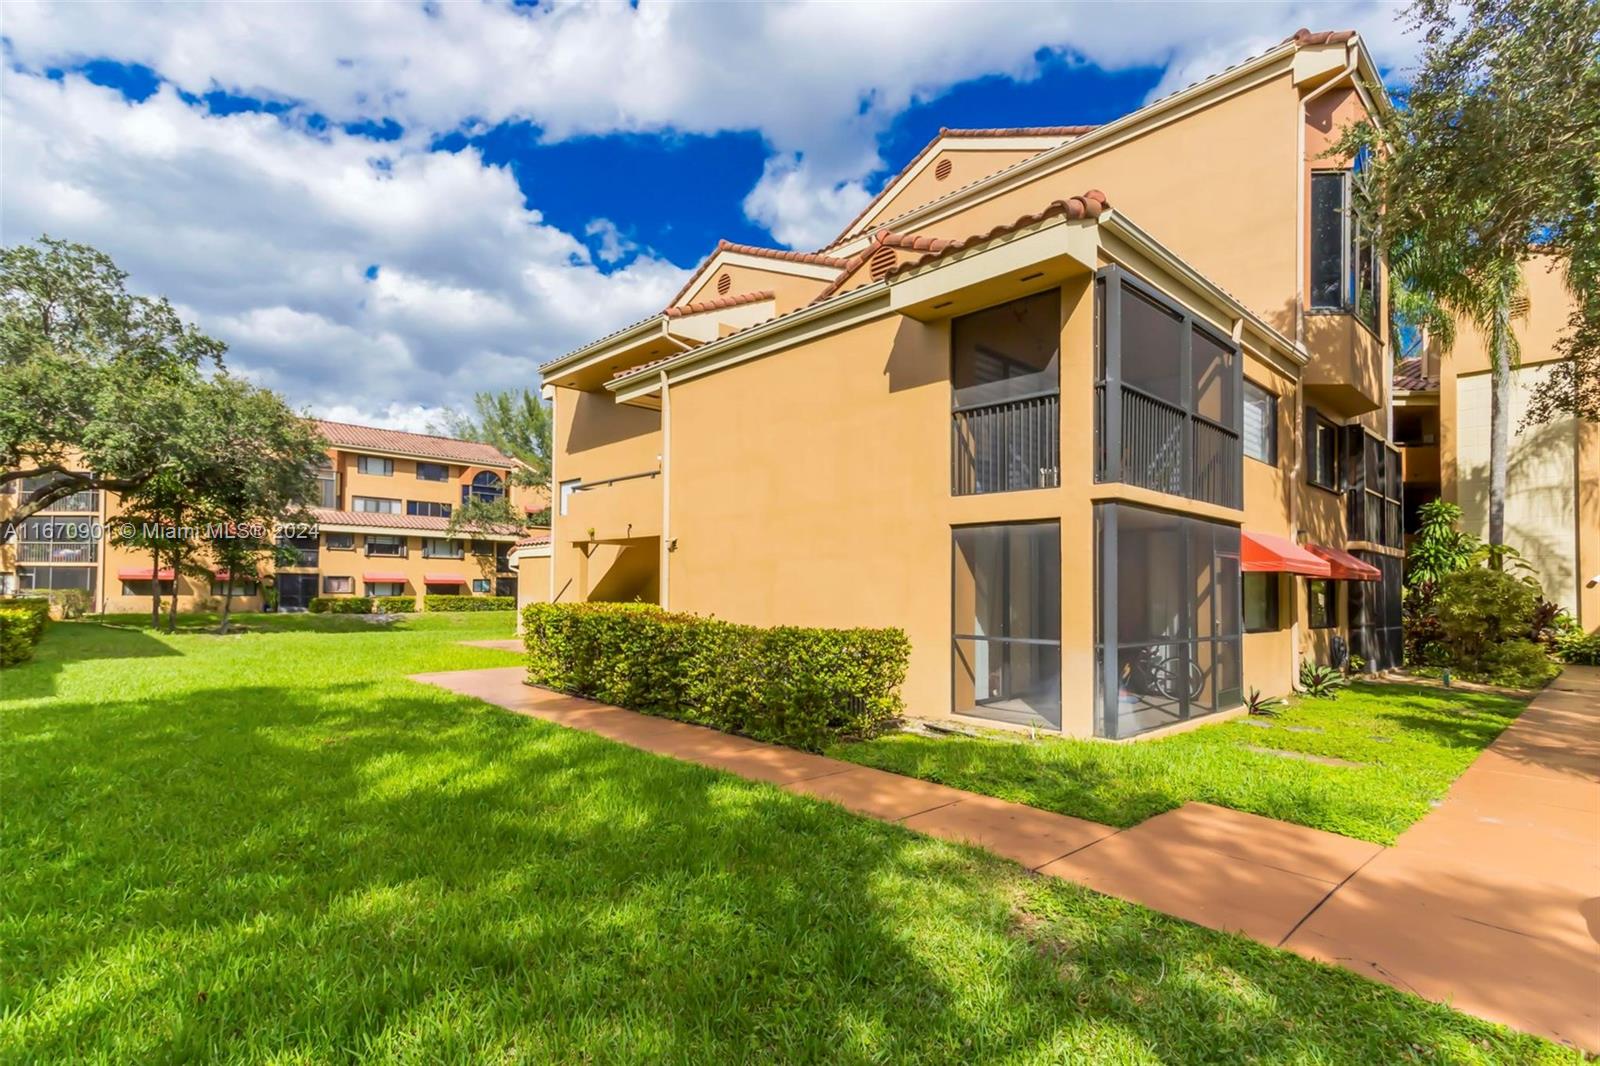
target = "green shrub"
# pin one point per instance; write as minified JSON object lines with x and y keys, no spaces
{"x":1478,"y":610}
{"x":72,"y":603}
{"x":1579,"y":648}
{"x":394,"y":604}
{"x":22,"y":623}
{"x":341,"y":605}
{"x":1517,"y":663}
{"x":794,"y":686}
{"x":445,"y":602}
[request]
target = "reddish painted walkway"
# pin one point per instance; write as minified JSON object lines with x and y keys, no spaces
{"x":1489,"y":903}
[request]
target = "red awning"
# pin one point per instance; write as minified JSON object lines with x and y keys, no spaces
{"x":443,"y":579}
{"x":144,"y":575}
{"x":1346,"y":567}
{"x":1264,"y":553}
{"x":385,"y":579}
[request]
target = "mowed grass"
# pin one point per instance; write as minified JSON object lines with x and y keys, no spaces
{"x":272,"y":847}
{"x":1409,"y":741}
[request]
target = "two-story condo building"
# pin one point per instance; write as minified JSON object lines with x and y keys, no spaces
{"x":384,"y":502}
{"x":1098,"y":415}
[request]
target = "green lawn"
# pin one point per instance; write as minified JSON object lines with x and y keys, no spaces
{"x":1411,"y":742}
{"x":272,"y":847}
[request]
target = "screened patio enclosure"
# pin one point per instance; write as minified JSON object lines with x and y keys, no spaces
{"x":1007,"y":623}
{"x":1168,"y":619}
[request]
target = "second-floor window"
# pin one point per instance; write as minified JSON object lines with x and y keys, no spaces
{"x":375,"y":504}
{"x":440,"y":548}
{"x":433,"y":472}
{"x":1344,"y":265}
{"x":341,"y":542}
{"x":428,"y":509}
{"x":1169,"y":388}
{"x":376,"y":465}
{"x":1005,"y":376}
{"x":1260,"y":424}
{"x":1322,"y":451}
{"x":385,"y":545}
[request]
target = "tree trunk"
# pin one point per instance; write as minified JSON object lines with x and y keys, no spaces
{"x":227,"y":604}
{"x":1499,"y":422}
{"x":155,"y":588}
{"x":172,"y":605}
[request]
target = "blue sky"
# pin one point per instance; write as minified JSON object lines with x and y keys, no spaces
{"x":384,"y":209}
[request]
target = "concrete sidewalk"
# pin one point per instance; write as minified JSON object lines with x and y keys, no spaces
{"x":1488,"y":904}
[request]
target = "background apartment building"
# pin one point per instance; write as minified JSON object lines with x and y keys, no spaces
{"x":384,"y":500}
{"x":1553,"y":470}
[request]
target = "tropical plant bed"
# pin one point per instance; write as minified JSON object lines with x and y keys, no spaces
{"x":1407,"y":744}
{"x":276,"y":848}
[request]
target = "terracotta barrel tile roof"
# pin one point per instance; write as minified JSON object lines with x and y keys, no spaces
{"x":1090,"y":205}
{"x":1409,"y":376}
{"x":533,"y":541}
{"x":718,"y":303}
{"x":1019,"y":131}
{"x":1310,"y":37}
{"x":471,"y":453}
{"x":810,"y":258}
{"x":379,"y":521}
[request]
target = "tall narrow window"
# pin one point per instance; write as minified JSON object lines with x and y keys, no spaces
{"x":1344,"y":264}
{"x":1007,"y":622}
{"x":1260,"y":424}
{"x":1322,"y":450}
{"x":327,"y":486}
{"x":1006,"y":403}
{"x":1168,"y":406}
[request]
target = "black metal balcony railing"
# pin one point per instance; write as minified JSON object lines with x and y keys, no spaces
{"x":1002,"y":447}
{"x":1165,"y":449}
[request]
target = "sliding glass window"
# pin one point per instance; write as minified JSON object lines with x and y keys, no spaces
{"x":1168,"y":619}
{"x":1007,"y":622}
{"x":1168,"y":395}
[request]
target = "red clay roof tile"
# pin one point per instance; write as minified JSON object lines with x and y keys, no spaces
{"x":718,"y":303}
{"x":355,"y":438}
{"x":1409,"y":376}
{"x":1303,"y":36}
{"x":1089,"y":205}
{"x":945,"y":131}
{"x":811,"y":258}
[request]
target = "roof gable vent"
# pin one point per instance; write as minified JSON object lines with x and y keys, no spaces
{"x":724,"y":283}
{"x":942,"y":169}
{"x":883,"y":261}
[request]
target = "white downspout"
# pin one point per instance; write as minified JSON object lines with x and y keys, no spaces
{"x":666,"y":491}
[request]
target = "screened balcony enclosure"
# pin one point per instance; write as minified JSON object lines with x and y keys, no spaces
{"x":1168,"y":619}
{"x":1169,"y":396}
{"x":1005,"y":427}
{"x":1007,"y":623}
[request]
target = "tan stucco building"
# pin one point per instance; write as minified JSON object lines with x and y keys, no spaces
{"x":1552,"y":471}
{"x":1098,"y":415}
{"x":379,"y":528}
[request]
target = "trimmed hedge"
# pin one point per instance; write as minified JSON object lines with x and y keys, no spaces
{"x":22,"y":624}
{"x":794,"y":686}
{"x":363,"y":604}
{"x":440,"y":601}
{"x":341,"y":605}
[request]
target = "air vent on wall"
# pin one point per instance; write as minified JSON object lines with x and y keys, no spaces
{"x":724,"y":283}
{"x":883,"y":261}
{"x":942,"y":169}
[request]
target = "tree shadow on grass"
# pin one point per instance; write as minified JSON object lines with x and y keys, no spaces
{"x":66,"y":642}
{"x":385,"y":869}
